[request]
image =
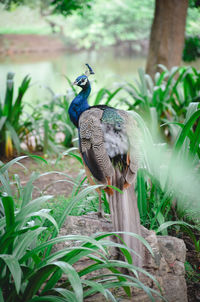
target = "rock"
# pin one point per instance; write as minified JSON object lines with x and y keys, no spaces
{"x":167,"y":265}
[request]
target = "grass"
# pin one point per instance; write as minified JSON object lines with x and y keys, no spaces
{"x":40,"y":30}
{"x":67,"y":165}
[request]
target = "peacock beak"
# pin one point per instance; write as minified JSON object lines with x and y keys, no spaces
{"x":75,"y":83}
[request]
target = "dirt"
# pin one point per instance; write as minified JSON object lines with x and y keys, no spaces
{"x":55,"y":184}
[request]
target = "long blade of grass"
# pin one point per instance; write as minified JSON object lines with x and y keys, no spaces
{"x":67,"y":294}
{"x":14,"y":268}
{"x":186,"y":130}
{"x":141,"y":192}
{"x":1,"y":296}
{"x":32,"y":206}
{"x":48,"y":298}
{"x":9,"y":208}
{"x":25,"y":241}
{"x":171,"y":223}
{"x":7,"y":110}
{"x":112,"y":95}
{"x":74,"y":278}
{"x":36,"y":280}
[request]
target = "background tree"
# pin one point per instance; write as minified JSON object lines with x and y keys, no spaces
{"x":167,"y":34}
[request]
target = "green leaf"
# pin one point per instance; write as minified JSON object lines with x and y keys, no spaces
{"x":96,"y":287}
{"x":36,"y":281}
{"x":100,"y":95}
{"x":28,"y":189}
{"x":2,"y":121}
{"x":1,"y":296}
{"x":48,"y":299}
{"x":14,"y":136}
{"x":6,"y":186}
{"x":32,"y":206}
{"x":6,"y":166}
{"x":23,"y":242}
{"x":112,"y":95}
{"x":9,"y":95}
{"x":14,"y":268}
{"x":17,"y":108}
{"x":71,"y":85}
{"x":68,"y":295}
{"x":186,"y":129}
{"x":141,"y":192}
{"x":9,"y":208}
{"x":43,"y":213}
{"x":170,"y":223}
{"x":74,"y":278}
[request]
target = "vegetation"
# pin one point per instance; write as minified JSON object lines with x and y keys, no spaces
{"x":191,"y":50}
{"x":165,"y":101}
{"x":28,"y":269}
{"x":11,"y":128}
{"x":49,"y":7}
{"x":49,"y":125}
{"x":167,"y":105}
{"x":129,"y":23}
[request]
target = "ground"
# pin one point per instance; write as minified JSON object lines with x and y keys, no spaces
{"x":55,"y":184}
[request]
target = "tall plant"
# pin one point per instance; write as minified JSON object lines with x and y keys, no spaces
{"x":168,"y":181}
{"x":164,"y":98}
{"x":10,"y":112}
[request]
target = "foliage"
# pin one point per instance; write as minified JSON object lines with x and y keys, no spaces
{"x":61,"y":7}
{"x":194,"y":3}
{"x":100,"y":27}
{"x":10,"y":113}
{"x":168,"y":182}
{"x":191,"y":49}
{"x":192,"y":273}
{"x":29,"y":272}
{"x":67,"y":7}
{"x":128,"y":23}
{"x":50,"y":128}
{"x":165,"y":98}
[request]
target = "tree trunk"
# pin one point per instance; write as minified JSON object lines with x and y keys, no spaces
{"x":167,"y":34}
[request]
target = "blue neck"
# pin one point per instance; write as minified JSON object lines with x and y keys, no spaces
{"x":79,"y":104}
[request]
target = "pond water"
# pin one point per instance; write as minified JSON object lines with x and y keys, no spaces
{"x":49,"y":69}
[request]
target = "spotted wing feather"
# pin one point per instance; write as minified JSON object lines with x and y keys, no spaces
{"x":92,"y":145}
{"x":105,"y":139}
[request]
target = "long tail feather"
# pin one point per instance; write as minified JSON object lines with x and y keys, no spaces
{"x":125,"y":217}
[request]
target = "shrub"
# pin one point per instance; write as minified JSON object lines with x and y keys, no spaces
{"x":165,"y":98}
{"x":191,"y":50}
{"x":10,"y":112}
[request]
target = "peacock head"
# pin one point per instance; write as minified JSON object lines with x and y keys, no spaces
{"x":82,"y":81}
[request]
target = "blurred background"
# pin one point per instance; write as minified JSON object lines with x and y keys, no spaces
{"x":49,"y":39}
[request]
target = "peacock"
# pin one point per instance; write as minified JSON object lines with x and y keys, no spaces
{"x":107,"y":148}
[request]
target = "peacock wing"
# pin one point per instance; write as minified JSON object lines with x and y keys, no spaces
{"x":133,"y":153}
{"x":92,"y":147}
{"x":120,"y":138}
